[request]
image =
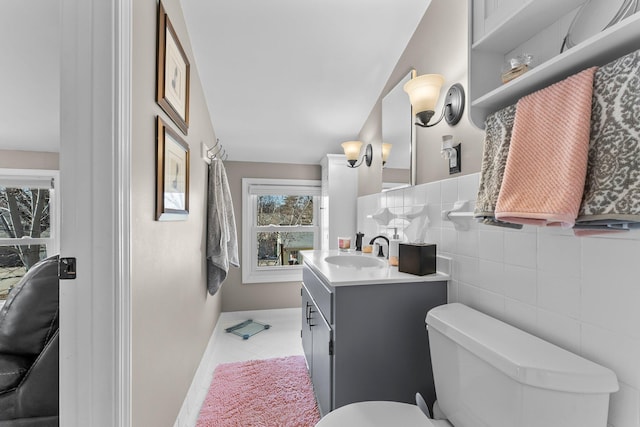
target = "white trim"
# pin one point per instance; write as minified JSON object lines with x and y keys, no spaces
{"x":54,"y":212}
{"x":25,"y":241}
{"x":44,"y":173}
{"x":94,"y":166}
{"x":124,"y":73}
{"x":251,"y":187}
{"x":39,"y":178}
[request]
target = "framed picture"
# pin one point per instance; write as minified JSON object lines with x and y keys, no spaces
{"x":172,"y":174}
{"x":172,"y":71}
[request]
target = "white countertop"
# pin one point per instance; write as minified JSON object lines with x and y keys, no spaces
{"x":348,"y":276}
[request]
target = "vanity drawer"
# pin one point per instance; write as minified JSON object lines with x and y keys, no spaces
{"x":321,"y":293}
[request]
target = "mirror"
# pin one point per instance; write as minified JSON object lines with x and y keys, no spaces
{"x":397,"y":127}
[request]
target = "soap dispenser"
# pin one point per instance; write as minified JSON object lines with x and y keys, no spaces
{"x":393,"y":248}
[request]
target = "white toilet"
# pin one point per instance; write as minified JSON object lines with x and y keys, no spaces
{"x":490,"y":374}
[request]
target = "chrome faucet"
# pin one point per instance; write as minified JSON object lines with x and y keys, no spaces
{"x":380,"y":251}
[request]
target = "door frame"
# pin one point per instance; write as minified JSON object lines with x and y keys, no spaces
{"x":95,"y":135}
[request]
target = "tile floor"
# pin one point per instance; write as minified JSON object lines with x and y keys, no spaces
{"x":281,"y":339}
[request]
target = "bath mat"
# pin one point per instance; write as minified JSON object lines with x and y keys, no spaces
{"x":247,"y":329}
{"x":260,"y":393}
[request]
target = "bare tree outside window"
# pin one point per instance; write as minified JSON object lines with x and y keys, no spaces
{"x":277,"y":248}
{"x":24,"y":212}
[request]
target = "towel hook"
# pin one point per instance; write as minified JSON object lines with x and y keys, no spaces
{"x":217,"y":151}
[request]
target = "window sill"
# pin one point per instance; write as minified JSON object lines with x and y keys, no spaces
{"x":293,"y":274}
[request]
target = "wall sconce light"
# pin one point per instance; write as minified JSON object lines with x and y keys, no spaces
{"x":386,"y":149}
{"x":451,"y":152}
{"x":423,"y":93}
{"x":352,"y":151}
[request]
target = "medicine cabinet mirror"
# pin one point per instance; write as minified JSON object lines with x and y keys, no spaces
{"x":397,"y":129}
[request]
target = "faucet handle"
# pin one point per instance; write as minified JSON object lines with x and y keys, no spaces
{"x":380,"y":251}
{"x":359,"y":237}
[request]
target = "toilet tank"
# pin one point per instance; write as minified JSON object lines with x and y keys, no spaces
{"x":490,"y":374}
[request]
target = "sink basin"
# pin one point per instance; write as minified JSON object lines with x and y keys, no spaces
{"x":356,"y":261}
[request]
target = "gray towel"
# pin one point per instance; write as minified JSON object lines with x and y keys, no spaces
{"x":222,"y":242}
{"x":499,"y":126}
{"x":611,"y":200}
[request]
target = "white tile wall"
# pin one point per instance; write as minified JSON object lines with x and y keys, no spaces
{"x":582,"y":294}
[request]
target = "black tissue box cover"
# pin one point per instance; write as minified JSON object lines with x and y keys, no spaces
{"x":417,"y":258}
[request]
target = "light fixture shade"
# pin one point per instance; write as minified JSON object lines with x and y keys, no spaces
{"x":424,"y":91}
{"x":386,"y":149}
{"x":352,"y":149}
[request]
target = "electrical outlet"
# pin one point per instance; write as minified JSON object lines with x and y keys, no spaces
{"x":455,"y":163}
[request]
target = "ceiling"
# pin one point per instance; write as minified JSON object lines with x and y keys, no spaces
{"x":289,"y":80}
{"x":284,"y":80}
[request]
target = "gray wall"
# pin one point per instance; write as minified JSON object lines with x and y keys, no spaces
{"x":172,"y":314}
{"x":259,"y":296}
{"x":12,"y":159}
{"x":439,"y":45}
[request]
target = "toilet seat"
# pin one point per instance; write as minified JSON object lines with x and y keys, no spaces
{"x":379,"y":414}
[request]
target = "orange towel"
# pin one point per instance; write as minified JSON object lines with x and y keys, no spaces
{"x":547,"y":162}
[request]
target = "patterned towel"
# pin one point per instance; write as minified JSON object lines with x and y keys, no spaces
{"x":499,"y":126}
{"x":611,"y":200}
{"x":547,"y":163}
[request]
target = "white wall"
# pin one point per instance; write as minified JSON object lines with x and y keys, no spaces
{"x":582,"y":294}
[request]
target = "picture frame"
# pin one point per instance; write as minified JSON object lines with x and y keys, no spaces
{"x":172,"y":174}
{"x":172,"y":73}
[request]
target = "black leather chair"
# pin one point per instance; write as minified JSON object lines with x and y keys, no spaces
{"x":29,"y":351}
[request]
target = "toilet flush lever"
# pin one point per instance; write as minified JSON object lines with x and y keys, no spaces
{"x":420,"y":403}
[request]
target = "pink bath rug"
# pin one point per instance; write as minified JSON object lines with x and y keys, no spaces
{"x":260,"y":393}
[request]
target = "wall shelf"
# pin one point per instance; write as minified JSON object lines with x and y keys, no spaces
{"x":524,"y":23}
{"x":490,"y":96}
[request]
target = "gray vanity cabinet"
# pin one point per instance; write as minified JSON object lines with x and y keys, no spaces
{"x":368,"y":341}
{"x":316,"y":339}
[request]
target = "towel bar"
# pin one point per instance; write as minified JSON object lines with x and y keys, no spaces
{"x":458,"y":215}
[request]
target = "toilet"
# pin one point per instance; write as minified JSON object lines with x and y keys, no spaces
{"x":490,"y":374}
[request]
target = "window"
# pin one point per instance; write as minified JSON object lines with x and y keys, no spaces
{"x":279,"y":219}
{"x":28,"y":222}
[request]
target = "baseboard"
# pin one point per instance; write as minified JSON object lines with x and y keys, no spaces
{"x":188,"y":415}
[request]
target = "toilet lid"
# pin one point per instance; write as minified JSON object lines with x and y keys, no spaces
{"x":378,"y":414}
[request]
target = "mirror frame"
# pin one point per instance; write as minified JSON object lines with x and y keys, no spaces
{"x":412,"y":136}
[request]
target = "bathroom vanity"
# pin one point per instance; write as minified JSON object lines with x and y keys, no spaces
{"x":363,"y":329}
